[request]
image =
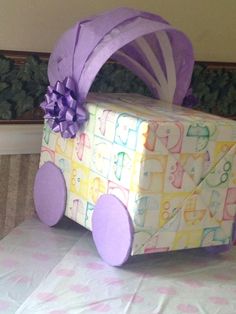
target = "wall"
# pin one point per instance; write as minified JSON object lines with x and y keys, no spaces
{"x":35,"y":25}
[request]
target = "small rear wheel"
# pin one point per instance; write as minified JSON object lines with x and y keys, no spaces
{"x":224,"y":247}
{"x":234,"y":233}
{"x":112,"y":230}
{"x":218,"y":248}
{"x":50,"y":194}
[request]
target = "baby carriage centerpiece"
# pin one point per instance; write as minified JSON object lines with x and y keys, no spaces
{"x":143,"y":174}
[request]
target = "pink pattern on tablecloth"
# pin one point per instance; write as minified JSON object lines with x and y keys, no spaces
{"x":193,"y":283}
{"x":187,"y":308}
{"x":135,"y":298}
{"x":9,"y":262}
{"x":46,"y":296}
{"x":166,"y":290}
{"x":32,"y":244}
{"x":80,"y":288}
{"x":100,"y":307}
{"x":219,"y":300}
{"x":42,"y":257}
{"x":81,"y":252}
{"x":58,"y":312}
{"x":95,"y":266}
{"x":65,"y":272}
{"x":114,"y":281}
{"x":4,"y":305}
{"x":17,"y":231}
{"x":223,"y":277}
{"x":20,"y":279}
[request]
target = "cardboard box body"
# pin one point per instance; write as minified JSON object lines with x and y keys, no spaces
{"x":173,"y":168}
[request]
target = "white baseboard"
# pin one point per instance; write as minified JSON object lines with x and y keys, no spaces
{"x":20,"y":138}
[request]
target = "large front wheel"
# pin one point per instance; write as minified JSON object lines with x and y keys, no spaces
{"x":50,"y":194}
{"x":112,"y":230}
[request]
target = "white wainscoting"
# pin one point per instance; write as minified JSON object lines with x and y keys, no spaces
{"x":20,"y":138}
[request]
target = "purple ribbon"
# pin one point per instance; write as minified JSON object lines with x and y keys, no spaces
{"x":62,"y":109}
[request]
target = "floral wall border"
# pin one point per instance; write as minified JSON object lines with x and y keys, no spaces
{"x":213,"y":87}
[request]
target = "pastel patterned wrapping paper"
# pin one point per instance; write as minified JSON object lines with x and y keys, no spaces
{"x":174,"y":169}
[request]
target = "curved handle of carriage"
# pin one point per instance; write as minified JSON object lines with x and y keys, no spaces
{"x":144,"y":43}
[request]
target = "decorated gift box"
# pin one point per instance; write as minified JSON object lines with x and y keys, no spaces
{"x":144,"y":175}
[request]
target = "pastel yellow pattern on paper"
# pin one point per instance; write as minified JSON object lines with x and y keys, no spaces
{"x":79,"y":180}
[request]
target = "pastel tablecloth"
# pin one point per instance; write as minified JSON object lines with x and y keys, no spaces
{"x":58,"y":271}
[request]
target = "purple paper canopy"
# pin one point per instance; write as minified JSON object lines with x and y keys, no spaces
{"x":143,"y":42}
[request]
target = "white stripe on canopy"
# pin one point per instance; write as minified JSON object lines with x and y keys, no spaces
{"x":155,"y":65}
{"x":145,"y":74}
{"x":167,"y":53}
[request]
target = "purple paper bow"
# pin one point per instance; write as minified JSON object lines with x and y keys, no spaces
{"x":62,"y":109}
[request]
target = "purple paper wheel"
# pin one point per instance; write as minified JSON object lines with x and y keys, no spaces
{"x":112,"y":230}
{"x":50,"y":194}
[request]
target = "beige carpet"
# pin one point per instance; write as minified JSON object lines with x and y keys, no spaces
{"x":17,"y":174}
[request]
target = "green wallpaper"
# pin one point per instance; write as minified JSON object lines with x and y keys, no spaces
{"x":22,"y":88}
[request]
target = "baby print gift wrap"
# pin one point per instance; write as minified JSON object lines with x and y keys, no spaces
{"x":173,"y":168}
